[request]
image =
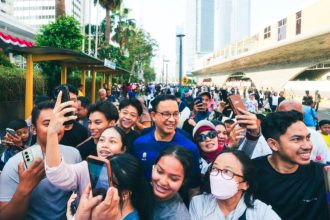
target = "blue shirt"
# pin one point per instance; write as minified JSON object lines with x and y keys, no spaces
{"x":309,"y":116}
{"x":146,"y":149}
{"x":132,"y":216}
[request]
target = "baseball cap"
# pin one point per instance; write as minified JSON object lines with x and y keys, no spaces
{"x":204,"y":125}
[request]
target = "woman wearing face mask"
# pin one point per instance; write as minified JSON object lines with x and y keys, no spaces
{"x":206,"y":137}
{"x":74,"y":177}
{"x":170,"y":175}
{"x":129,"y":199}
{"x":230,"y":189}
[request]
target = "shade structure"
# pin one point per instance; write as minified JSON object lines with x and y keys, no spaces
{"x":15,"y":41}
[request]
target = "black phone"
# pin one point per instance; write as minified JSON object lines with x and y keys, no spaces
{"x":100,"y":175}
{"x":198,"y":100}
{"x":10,"y":131}
{"x":65,"y":98}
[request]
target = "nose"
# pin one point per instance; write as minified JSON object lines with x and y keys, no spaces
{"x":163,"y":180}
{"x":307,"y":145}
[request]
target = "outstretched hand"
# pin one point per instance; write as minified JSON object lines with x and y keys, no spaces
{"x":58,"y":116}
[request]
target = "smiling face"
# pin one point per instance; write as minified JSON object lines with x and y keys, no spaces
{"x":128,"y":116}
{"x":222,"y":134}
{"x":167,"y":177}
{"x":209,"y":145}
{"x":97,"y":122}
{"x":294,"y":146}
{"x":109,"y":143}
{"x":166,"y":126}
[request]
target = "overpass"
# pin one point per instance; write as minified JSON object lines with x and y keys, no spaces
{"x":277,"y":54}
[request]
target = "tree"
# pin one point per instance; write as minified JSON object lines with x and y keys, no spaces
{"x":109,"y":5}
{"x":125,"y":30}
{"x":59,"y":8}
{"x":63,"y":33}
{"x":149,"y":74}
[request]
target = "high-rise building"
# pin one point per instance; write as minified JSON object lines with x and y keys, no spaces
{"x":39,"y":12}
{"x":213,"y":24}
{"x":232,"y":21}
{"x":6,"y":6}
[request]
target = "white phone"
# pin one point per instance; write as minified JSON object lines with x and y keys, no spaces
{"x":30,"y":154}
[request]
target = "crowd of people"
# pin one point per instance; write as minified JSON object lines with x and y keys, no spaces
{"x":174,"y":154}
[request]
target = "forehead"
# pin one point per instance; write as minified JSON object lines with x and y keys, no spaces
{"x":297,"y":128}
{"x":130,"y":108}
{"x":45,"y":114}
{"x":171,"y":165}
{"x":228,"y":160}
{"x":110,"y":132}
{"x":97,"y":116}
{"x":168,"y":105}
{"x":220,"y":127}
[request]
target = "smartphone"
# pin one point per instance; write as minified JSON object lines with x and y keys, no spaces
{"x":235,"y":102}
{"x":65,"y":98}
{"x":30,"y":154}
{"x":100,"y":175}
{"x":198,"y":100}
{"x":326,"y":173}
{"x":10,"y":131}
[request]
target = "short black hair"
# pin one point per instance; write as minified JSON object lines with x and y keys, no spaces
{"x":229,"y":121}
{"x":161,"y":98}
{"x":178,"y":95}
{"x":324,"y":122}
{"x":84,"y":101}
{"x":40,"y":98}
{"x":38,"y":108}
{"x":72,"y":89}
{"x":133,"y":102}
{"x":17,"y":124}
{"x":277,"y":123}
{"x":107,"y":108}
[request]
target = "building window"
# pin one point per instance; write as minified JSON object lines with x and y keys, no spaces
{"x":267,"y":32}
{"x":282,"y":29}
{"x":298,"y":22}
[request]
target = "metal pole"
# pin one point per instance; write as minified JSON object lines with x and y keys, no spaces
{"x":97,"y":28}
{"x":180,"y":61}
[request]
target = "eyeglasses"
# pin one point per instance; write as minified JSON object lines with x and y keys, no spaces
{"x":226,"y":174}
{"x":202,"y":137}
{"x":167,"y":115}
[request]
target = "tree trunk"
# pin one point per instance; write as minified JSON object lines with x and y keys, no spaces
{"x":59,"y":8}
{"x":107,"y":27}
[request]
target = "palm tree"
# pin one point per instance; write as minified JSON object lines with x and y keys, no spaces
{"x":124,"y":31}
{"x":59,"y":8}
{"x":109,"y":5}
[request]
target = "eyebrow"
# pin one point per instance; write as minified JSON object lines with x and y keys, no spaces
{"x":300,"y":136}
{"x":171,"y":174}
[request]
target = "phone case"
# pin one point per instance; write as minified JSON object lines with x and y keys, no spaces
{"x":97,"y":160}
{"x":326,"y":172}
{"x":30,"y":154}
{"x":11,"y":131}
{"x":235,"y":102}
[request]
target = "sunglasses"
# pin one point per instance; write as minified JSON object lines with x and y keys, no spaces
{"x":202,"y":137}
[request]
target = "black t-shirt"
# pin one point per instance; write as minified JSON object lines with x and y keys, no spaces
{"x":75,"y":136}
{"x":87,"y":148}
{"x":300,"y":195}
{"x":130,"y":138}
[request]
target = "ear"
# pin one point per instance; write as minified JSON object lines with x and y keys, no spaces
{"x":243,"y":186}
{"x":112,"y":123}
{"x":126,"y":195}
{"x":33,"y":129}
{"x":273,"y":144}
{"x":153,"y":114}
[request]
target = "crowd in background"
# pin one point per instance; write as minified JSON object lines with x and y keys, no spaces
{"x":174,"y":154}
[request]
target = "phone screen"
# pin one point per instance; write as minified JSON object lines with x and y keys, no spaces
{"x":99,"y":176}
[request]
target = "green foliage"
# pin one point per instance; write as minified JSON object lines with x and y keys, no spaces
{"x":63,"y":33}
{"x":4,"y":61}
{"x":149,"y":74}
{"x":12,"y":84}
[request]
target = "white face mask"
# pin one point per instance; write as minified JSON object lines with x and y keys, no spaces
{"x":222,"y":188}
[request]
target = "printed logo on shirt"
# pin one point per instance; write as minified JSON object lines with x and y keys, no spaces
{"x":144,"y":156}
{"x":309,"y":200}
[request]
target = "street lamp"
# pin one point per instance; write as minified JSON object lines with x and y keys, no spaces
{"x":180,"y":36}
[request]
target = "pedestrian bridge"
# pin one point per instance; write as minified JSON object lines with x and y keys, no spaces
{"x":275,"y":55}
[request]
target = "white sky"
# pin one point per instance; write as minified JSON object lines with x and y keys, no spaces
{"x":161,"y":18}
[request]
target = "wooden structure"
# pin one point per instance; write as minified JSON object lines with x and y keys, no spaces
{"x":65,"y":58}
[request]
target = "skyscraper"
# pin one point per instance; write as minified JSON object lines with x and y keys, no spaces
{"x":213,"y":24}
{"x":39,"y":12}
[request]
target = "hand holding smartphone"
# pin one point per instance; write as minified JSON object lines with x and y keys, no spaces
{"x":30,"y":154}
{"x":65,"y":98}
{"x":10,"y":131}
{"x":235,"y":102}
{"x":100,"y":175}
